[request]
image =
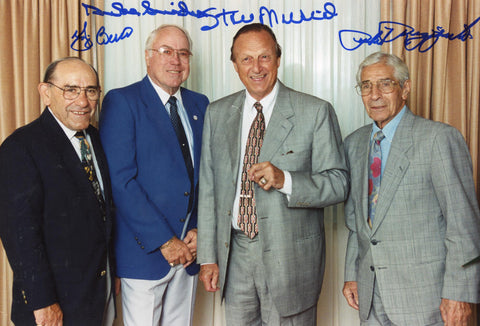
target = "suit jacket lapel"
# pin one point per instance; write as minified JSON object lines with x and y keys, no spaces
{"x":232,"y":133}
{"x":279,"y":125}
{"x":196,"y":122}
{"x":362,"y":161}
{"x":67,"y":155}
{"x":397,"y":165}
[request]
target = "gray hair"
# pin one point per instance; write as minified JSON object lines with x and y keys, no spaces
{"x":154,"y":33}
{"x":399,"y":67}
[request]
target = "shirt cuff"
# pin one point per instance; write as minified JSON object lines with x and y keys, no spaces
{"x":287,"y":184}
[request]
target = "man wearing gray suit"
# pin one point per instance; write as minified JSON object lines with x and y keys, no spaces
{"x":414,"y":219}
{"x":271,"y":160}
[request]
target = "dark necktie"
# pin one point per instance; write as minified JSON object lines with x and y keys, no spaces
{"x":183,"y":142}
{"x":88,"y":166}
{"x":374,"y":175}
{"x":247,"y":217}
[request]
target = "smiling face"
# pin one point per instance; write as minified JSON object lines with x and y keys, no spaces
{"x":168,"y":72}
{"x":256,"y":62}
{"x":74,"y":114}
{"x":380,"y":107}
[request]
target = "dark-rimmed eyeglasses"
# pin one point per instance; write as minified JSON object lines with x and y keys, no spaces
{"x":168,"y":52}
{"x":385,"y":86}
{"x":72,"y":92}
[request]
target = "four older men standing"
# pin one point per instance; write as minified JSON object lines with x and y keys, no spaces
{"x":151,"y":131}
{"x":271,"y":160}
{"x":412,"y":210}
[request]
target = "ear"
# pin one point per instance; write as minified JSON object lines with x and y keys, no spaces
{"x":147,"y":58}
{"x":44,"y":90}
{"x":235,"y":66}
{"x":406,"y":89}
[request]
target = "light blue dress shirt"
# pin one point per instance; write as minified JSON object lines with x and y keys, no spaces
{"x":389,"y":131}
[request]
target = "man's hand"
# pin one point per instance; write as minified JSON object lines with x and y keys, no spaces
{"x":49,"y":316}
{"x":191,"y":241}
{"x":350,"y":292}
{"x":118,"y":285}
{"x":266,"y":175}
{"x":455,"y":313}
{"x":209,"y":276}
{"x":176,"y":252}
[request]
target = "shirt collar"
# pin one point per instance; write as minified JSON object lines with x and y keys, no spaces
{"x":69,"y":132}
{"x":267,"y":102}
{"x":391,"y":127}
{"x":164,"y":96}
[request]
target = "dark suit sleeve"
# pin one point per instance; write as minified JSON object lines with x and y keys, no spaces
{"x":21,"y":219}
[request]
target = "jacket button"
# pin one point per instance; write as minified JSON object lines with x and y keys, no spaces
{"x":374,"y":242}
{"x":182,"y":220}
{"x":186,"y":193}
{"x":229,"y":213}
{"x":102,"y":273}
{"x":372,"y":268}
{"x":142,"y":247}
{"x":226,"y":244}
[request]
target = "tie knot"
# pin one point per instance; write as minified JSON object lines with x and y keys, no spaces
{"x":172,"y":101}
{"x":258,"y":106}
{"x":80,"y":135}
{"x":378,"y":137}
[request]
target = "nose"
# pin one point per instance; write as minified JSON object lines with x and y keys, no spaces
{"x":82,"y":98}
{"x":175,"y":57}
{"x":376,"y":93}
{"x":256,"y":65}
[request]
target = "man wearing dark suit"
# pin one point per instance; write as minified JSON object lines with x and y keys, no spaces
{"x":55,"y":222}
{"x":408,"y":254}
{"x":151,"y":131}
{"x":269,"y":263}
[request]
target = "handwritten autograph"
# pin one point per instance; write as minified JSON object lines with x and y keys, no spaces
{"x":389,"y":31}
{"x":82,"y":40}
{"x":216,"y":16}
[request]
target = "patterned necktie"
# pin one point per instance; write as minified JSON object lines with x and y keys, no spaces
{"x":374,"y":175}
{"x":247,"y":218}
{"x":183,"y":142}
{"x":87,"y":163}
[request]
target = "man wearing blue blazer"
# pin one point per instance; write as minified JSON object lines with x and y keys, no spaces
{"x":151,"y":131}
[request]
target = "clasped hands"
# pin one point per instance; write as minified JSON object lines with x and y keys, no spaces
{"x":176,"y":251}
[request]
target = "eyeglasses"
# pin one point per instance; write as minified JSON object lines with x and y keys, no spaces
{"x":168,"y":52}
{"x":72,"y":92}
{"x":385,"y":86}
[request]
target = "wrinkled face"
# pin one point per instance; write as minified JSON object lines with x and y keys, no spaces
{"x":256,"y":62}
{"x":168,"y":72}
{"x":74,"y":114}
{"x":382,"y":108}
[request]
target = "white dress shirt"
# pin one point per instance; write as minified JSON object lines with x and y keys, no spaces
{"x":249,"y":114}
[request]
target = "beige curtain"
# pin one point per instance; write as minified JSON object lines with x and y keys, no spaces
{"x":446,"y":78}
{"x":34,"y":33}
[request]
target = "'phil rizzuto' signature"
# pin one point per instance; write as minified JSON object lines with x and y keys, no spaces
{"x":389,"y":31}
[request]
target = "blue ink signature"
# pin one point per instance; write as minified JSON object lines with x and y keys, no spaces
{"x":214,"y":15}
{"x":390,"y":31}
{"x":83,"y":42}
